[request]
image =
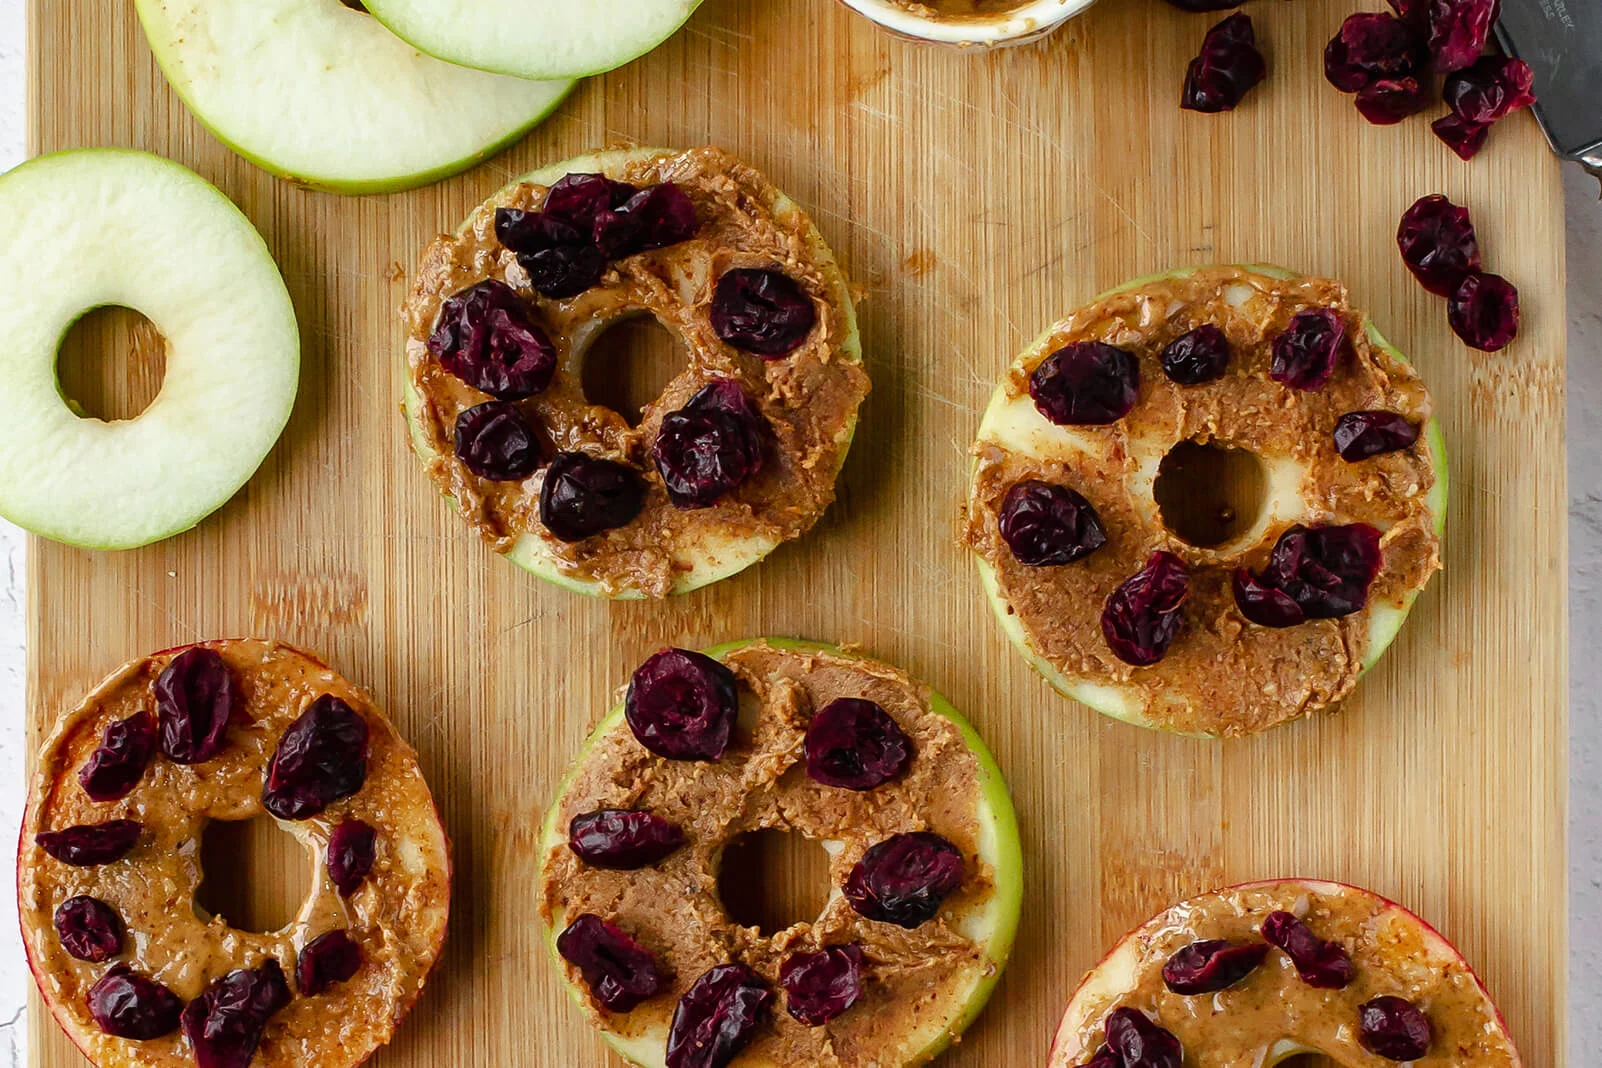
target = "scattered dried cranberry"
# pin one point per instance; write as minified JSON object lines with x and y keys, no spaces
{"x":495,"y":440}
{"x":1207,"y":967}
{"x":579,"y":199}
{"x":89,"y":929}
{"x":119,"y":761}
{"x":88,"y":845}
{"x":1464,"y":138}
{"x":711,"y":446}
{"x":855,"y":745}
{"x":619,"y":971}
{"x":620,"y":839}
{"x":656,"y":217}
{"x":1372,"y":47}
{"x":1229,"y":65}
{"x":1490,"y":89}
{"x":560,"y":259}
{"x":1141,"y":618}
{"x":820,"y":986}
{"x":1388,"y":102}
{"x":1087,"y":383}
{"x":717,"y":1017}
{"x":125,"y":1004}
{"x":327,"y":959}
{"x":682,"y":705}
{"x":586,"y":495}
{"x":485,"y":338}
{"x":1321,"y":964}
{"x":1393,"y":1028}
{"x":1201,"y":355}
{"x":1360,"y":435}
{"x":1046,"y":525}
{"x":904,"y":879}
{"x":1325,"y":570}
{"x":352,"y":851}
{"x":224,"y":1024}
{"x":1438,"y":243}
{"x":1484,"y":311}
{"x":1265,"y":605}
{"x":321,"y":758}
{"x":762,"y":311}
{"x":1458,"y":31}
{"x":1141,"y":1043}
{"x":195,"y":700}
{"x":1306,"y":353}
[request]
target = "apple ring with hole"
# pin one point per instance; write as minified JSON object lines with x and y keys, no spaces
{"x":134,"y":970}
{"x":1206,"y":502}
{"x":738,"y":454}
{"x":924,"y":863}
{"x":1263,"y":972}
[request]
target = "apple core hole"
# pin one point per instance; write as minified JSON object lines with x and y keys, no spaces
{"x":111,"y":364}
{"x":1210,"y":495}
{"x":254,"y":874}
{"x":774,"y":879}
{"x":629,"y":363}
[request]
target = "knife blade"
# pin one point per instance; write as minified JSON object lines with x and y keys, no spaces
{"x":1561,"y":40}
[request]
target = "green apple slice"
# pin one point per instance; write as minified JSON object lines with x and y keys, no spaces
{"x":323,"y":95}
{"x":992,"y":924}
{"x":107,"y":227}
{"x":540,"y":39}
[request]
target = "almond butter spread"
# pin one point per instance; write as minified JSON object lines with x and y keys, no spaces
{"x":1272,"y":1013}
{"x":809,"y":397}
{"x":917,"y":983}
{"x":397,"y":915}
{"x":1222,"y":675}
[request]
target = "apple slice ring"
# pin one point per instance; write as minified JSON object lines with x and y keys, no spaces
{"x":92,"y":228}
{"x":138,"y":974}
{"x":1263,"y":972}
{"x":741,"y":450}
{"x":1206,"y":502}
{"x":925,"y":866}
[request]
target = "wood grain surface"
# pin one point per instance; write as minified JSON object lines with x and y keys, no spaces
{"x":975,"y":199}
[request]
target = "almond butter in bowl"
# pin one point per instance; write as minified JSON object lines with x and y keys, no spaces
{"x":970,"y":23}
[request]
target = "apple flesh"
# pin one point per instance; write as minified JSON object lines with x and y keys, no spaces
{"x":323,"y":95}
{"x":107,"y":227}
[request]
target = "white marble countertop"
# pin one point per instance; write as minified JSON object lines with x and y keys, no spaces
{"x":1585,"y":588}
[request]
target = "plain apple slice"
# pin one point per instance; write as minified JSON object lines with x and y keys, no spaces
{"x":323,"y":95}
{"x":543,"y":39}
{"x":107,"y":227}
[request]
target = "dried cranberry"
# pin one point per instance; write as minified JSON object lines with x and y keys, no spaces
{"x":711,"y":446}
{"x":1484,"y":311}
{"x":1360,"y":435}
{"x":1201,"y":355}
{"x":88,"y":845}
{"x":89,"y":929}
{"x":1141,"y":618}
{"x":1265,"y":605}
{"x":1229,"y":65}
{"x":1046,"y":525}
{"x":1458,"y":31}
{"x":560,"y":259}
{"x":717,"y":1017}
{"x":1141,"y":1043}
{"x":485,"y":338}
{"x":762,"y":311}
{"x":619,"y":971}
{"x":1087,"y":383}
{"x":352,"y":850}
{"x":1325,"y":570}
{"x":578,"y":199}
{"x":619,"y":839}
{"x":1393,"y":1028}
{"x":327,"y":959}
{"x":1464,"y":138}
{"x":1490,"y":89}
{"x":119,"y":761}
{"x":321,"y":758}
{"x":820,"y":986}
{"x":1438,"y":243}
{"x":225,"y":1024}
{"x":1207,"y":967}
{"x":128,"y":1005}
{"x":1372,"y":47}
{"x":904,"y":879}
{"x":586,"y":495}
{"x":1321,"y":964}
{"x":682,"y":705}
{"x":196,"y":696}
{"x":656,"y":217}
{"x":855,"y":745}
{"x":1388,"y":102}
{"x":1306,"y":353}
{"x":495,"y":440}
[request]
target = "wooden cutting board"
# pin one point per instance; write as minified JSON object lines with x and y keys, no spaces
{"x":975,"y":198}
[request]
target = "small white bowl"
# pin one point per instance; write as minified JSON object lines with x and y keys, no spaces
{"x":1029,"y":20}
